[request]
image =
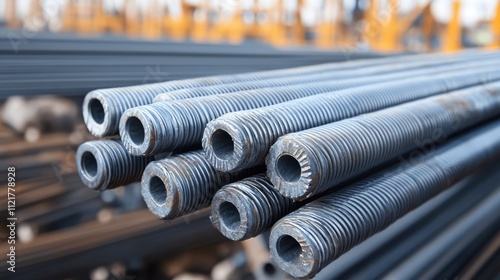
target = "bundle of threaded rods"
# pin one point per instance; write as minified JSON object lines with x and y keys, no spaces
{"x":323,"y":156}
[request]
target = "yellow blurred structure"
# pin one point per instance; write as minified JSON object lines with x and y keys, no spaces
{"x":381,"y":27}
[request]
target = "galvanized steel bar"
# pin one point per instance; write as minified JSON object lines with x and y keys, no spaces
{"x":306,"y":163}
{"x":305,"y":241}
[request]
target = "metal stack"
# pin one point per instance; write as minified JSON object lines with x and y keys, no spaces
{"x":325,"y":156}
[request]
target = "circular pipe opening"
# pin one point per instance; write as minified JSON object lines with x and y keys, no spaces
{"x":229,"y":215}
{"x":222,"y":144}
{"x":96,"y":110}
{"x":158,"y":190}
{"x":89,"y":164}
{"x":135,"y":130}
{"x":288,"y":168}
{"x":288,"y":249}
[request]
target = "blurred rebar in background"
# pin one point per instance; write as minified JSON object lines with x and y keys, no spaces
{"x":351,"y":147}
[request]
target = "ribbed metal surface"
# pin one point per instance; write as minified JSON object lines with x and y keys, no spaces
{"x":114,"y":101}
{"x":117,"y":100}
{"x":105,"y":164}
{"x":305,"y":163}
{"x":312,"y":74}
{"x":167,"y":126}
{"x":306,"y":240}
{"x":183,"y":183}
{"x":254,"y":131}
{"x":247,"y":208}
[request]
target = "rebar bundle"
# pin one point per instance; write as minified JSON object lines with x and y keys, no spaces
{"x":305,"y":241}
{"x":326,"y":134}
{"x":309,"y":162}
{"x":164,"y":126}
{"x":250,"y":134}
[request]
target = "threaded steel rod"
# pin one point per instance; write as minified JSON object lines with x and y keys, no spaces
{"x":305,"y":241}
{"x":183,"y":183}
{"x":251,"y":133}
{"x":167,"y":126}
{"x":106,"y":164}
{"x":306,"y":77}
{"x":103,"y":108}
{"x":306,"y":163}
{"x":248,"y":207}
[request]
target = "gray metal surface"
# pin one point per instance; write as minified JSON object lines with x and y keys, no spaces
{"x":183,"y":183}
{"x":309,"y":162}
{"x":253,"y":132}
{"x":106,"y":164}
{"x":167,"y":126}
{"x":305,"y":241}
{"x":246,"y":208}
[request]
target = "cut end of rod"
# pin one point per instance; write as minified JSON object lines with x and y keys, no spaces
{"x":97,"y":116}
{"x":290,"y":170}
{"x":89,"y":164}
{"x":229,"y":216}
{"x":135,"y":132}
{"x":290,"y":250}
{"x":223,"y":147}
{"x":157,"y":191}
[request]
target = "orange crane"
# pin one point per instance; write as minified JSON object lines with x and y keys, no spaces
{"x":451,"y":37}
{"x":495,"y":28}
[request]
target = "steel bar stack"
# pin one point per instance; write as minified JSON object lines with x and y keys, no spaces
{"x":323,"y":156}
{"x":42,"y":63}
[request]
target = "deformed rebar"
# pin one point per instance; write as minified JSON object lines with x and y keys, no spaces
{"x":306,"y":163}
{"x":247,"y":208}
{"x":184,"y":183}
{"x":106,"y":164}
{"x":328,"y":74}
{"x":251,"y":133}
{"x":167,"y":126}
{"x":305,"y":241}
{"x":103,"y":108}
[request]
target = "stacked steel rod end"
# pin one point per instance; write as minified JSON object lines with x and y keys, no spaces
{"x":136,"y":130}
{"x":89,"y":161}
{"x":289,"y":167}
{"x":105,"y":164}
{"x":230,"y":215}
{"x":291,"y":248}
{"x":223,"y":146}
{"x":97,"y":115}
{"x":247,"y":208}
{"x":157,"y":190}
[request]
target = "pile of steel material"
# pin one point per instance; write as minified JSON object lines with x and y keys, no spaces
{"x":40,"y":63}
{"x":322,"y":157}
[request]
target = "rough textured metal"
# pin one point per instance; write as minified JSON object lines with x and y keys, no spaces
{"x":167,"y":126}
{"x":305,"y":241}
{"x":103,"y":108}
{"x":309,"y":162}
{"x":106,"y":164}
{"x":247,"y":208}
{"x":251,"y":133}
{"x":307,"y":77}
{"x":184,"y":183}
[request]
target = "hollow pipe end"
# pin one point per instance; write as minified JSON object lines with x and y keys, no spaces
{"x":158,"y":192}
{"x":224,"y":146}
{"x":291,"y":170}
{"x":290,"y":249}
{"x":90,"y":165}
{"x":137,"y":131}
{"x":98,"y":115}
{"x":230,"y":216}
